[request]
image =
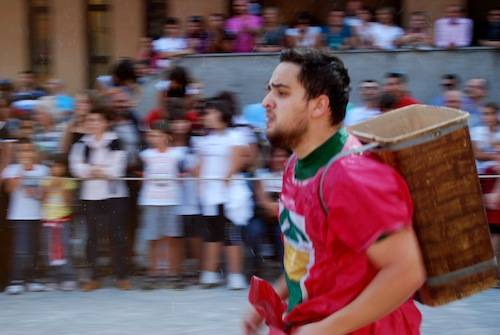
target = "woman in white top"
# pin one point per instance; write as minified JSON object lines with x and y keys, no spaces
{"x":98,"y":157}
{"x":222,"y":154}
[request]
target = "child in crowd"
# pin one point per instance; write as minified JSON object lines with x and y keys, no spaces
{"x":57,"y":199}
{"x":24,"y":214}
{"x":159,"y":199}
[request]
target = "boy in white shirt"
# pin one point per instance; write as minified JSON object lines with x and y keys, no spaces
{"x":24,"y":214}
{"x":160,"y":224}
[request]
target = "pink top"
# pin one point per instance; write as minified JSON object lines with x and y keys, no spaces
{"x":453,"y":32}
{"x":237,"y":25}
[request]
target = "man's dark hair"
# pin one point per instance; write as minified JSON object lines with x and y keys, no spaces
{"x":492,"y":105}
{"x":124,"y":71}
{"x":322,"y":73}
{"x":162,"y":126}
{"x":387,"y":102}
{"x":396,"y":75}
{"x":450,"y":76}
{"x":176,"y":108}
{"x":103,"y":111}
{"x":223,"y":107}
{"x":171,"y":20}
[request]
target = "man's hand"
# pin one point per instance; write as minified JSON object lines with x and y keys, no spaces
{"x":315,"y":328}
{"x":252,"y":322}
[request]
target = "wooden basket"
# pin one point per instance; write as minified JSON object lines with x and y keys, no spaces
{"x":431,"y":148}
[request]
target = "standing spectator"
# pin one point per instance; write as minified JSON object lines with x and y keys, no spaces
{"x":453,"y":30}
{"x":338,"y":34}
{"x":454,"y":99}
{"x":369,"y":91}
{"x":385,"y":34}
{"x":364,"y":27}
{"x":491,"y":37}
{"x":449,"y":82}
{"x":159,"y":200}
{"x":272,"y":37}
{"x":216,"y":33}
{"x":99,"y":158}
{"x":57,"y":199}
{"x":483,"y":136}
{"x":418,"y":34}
{"x":196,"y":34}
{"x":145,"y":52}
{"x":59,"y":103}
{"x":172,"y":45}
{"x":27,"y":87}
{"x":476,"y":90}
{"x":221,"y":154}
{"x":47,"y":134}
{"x":24,"y":214}
{"x":76,"y":127}
{"x":244,"y":26}
{"x":303,"y":34}
{"x":396,"y":85}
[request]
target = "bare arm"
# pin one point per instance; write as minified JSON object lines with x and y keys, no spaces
{"x":481,"y":155}
{"x":401,"y":273}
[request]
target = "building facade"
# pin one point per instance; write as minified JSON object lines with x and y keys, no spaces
{"x":76,"y":40}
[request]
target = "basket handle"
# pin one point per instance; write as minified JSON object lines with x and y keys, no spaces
{"x":358,"y":150}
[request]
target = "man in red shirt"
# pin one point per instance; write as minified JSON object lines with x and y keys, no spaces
{"x":395,"y":84}
{"x":352,"y":261}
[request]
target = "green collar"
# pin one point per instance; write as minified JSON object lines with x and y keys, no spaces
{"x":308,"y":166}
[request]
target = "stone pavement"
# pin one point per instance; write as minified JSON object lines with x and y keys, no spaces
{"x":193,"y":311}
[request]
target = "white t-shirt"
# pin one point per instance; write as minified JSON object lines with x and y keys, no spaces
{"x":22,"y":206}
{"x":359,"y":114}
{"x":272,"y":182}
{"x":310,"y":36}
{"x":169,"y":44}
{"x":383,"y":36}
{"x":215,"y":152}
{"x":160,"y":165}
{"x":189,"y":202}
{"x":484,"y":138}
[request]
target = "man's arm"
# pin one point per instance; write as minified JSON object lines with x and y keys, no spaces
{"x":401,"y":273}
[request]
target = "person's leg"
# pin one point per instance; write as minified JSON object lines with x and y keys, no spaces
{"x":68,"y":274}
{"x":93,"y":213}
{"x":117,"y":221}
{"x":20,"y":256}
{"x":212,"y":247}
{"x":234,"y":254}
{"x":195,"y":240}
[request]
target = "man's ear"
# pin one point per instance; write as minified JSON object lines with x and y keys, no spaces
{"x":321,"y":106}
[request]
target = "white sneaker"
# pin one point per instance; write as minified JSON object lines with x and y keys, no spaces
{"x":236,"y":281}
{"x":14,"y":289}
{"x":210,"y":279}
{"x":36,"y":287}
{"x":68,"y":285}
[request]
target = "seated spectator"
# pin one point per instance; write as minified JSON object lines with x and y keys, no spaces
{"x":449,"y":82}
{"x":476,"y":90}
{"x":482,"y":137}
{"x":352,"y":7}
{"x":453,"y":30}
{"x":369,"y":91}
{"x":273,"y":33}
{"x":363,"y":28}
{"x":396,"y":85}
{"x":244,"y":26}
{"x":338,"y":34}
{"x":491,"y":37}
{"x":418,"y":34}
{"x":454,"y":99}
{"x":172,"y":44}
{"x":216,"y":34}
{"x":385,"y":34}
{"x":303,"y":34}
{"x":196,"y":34}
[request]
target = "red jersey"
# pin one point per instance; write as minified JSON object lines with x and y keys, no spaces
{"x":326,"y":266}
{"x":406,"y":100}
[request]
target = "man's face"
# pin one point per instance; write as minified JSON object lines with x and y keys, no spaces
{"x":393,"y":86}
{"x":171,"y":30}
{"x":418,"y":22}
{"x":120,"y":102}
{"x":476,"y":88}
{"x":336,"y":18}
{"x":453,"y":12}
{"x":384,"y":16}
{"x":270,"y":15}
{"x":494,"y":16}
{"x":26,"y":79}
{"x":369,"y":91}
{"x":286,"y":106}
{"x":215,"y":21}
{"x":96,"y":124}
{"x":453,"y":99}
{"x":448,"y":84}
{"x":489,"y":116}
{"x":240,"y":7}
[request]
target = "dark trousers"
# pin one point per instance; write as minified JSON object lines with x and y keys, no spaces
{"x":26,"y":235}
{"x":109,"y":216}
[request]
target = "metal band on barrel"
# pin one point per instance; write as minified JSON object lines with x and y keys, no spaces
{"x":462,"y":273}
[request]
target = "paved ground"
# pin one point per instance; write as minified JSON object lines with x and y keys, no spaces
{"x":194,"y":311}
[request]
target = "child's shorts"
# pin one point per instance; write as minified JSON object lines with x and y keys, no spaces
{"x":160,"y":221}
